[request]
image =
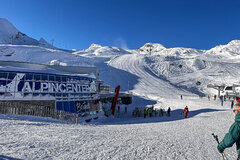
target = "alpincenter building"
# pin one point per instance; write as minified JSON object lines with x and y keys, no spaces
{"x":47,"y":90}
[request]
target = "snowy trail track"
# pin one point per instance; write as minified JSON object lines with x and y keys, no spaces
{"x":149,"y":85}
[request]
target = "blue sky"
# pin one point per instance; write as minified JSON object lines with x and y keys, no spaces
{"x":200,"y":24}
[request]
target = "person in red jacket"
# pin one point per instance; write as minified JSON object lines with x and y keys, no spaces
{"x":186,"y":111}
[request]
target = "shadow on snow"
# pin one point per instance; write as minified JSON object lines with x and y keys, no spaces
{"x":175,"y":116}
{"x":8,"y":158}
{"x":29,"y":118}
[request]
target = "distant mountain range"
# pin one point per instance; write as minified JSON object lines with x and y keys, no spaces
{"x":10,"y":34}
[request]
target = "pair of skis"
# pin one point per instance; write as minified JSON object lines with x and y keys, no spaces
{"x":216,"y":138}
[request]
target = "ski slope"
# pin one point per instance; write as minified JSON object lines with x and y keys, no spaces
{"x":149,"y":85}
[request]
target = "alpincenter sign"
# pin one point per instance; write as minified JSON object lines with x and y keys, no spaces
{"x":70,"y":85}
{"x":58,"y":87}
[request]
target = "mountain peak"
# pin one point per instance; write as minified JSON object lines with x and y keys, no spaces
{"x":9,"y":34}
{"x":7,"y":30}
{"x":94,"y":46}
{"x":44,"y":43}
{"x":151,"y":47}
{"x":234,"y":42}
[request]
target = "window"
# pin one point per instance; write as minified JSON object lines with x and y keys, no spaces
{"x":2,"y":82}
{"x":3,"y":75}
{"x":45,"y":77}
{"x":11,"y":75}
{"x":37,"y":77}
{"x":29,"y":76}
{"x":59,"y":106}
{"x":64,"y":79}
{"x":51,"y":78}
{"x":228,"y":88}
{"x":58,"y":78}
{"x":66,"y":106}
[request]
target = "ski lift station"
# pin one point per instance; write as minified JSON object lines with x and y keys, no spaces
{"x":226,"y":90}
{"x":61,"y":92}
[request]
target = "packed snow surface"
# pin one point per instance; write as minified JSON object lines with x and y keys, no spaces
{"x":126,"y":137}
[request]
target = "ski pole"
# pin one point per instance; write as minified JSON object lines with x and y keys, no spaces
{"x":216,"y":138}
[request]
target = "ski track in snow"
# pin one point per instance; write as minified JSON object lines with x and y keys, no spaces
{"x":149,"y":85}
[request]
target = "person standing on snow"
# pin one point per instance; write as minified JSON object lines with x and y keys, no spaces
{"x":150,"y":111}
{"x":168,"y":111}
{"x":161,"y":112}
{"x":145,"y":112}
{"x":232,"y":104}
{"x":221,"y":101}
{"x":186,"y":111}
{"x":233,"y":135}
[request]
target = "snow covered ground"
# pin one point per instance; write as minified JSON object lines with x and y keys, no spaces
{"x":162,"y":138}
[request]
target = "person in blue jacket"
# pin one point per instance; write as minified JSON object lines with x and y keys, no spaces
{"x":233,"y":134}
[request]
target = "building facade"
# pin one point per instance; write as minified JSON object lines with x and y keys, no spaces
{"x":43,"y":90}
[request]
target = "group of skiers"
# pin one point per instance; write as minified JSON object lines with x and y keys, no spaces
{"x":151,"y":111}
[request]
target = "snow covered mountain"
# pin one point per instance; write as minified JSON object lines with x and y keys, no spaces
{"x":9,"y":34}
{"x":159,"y":50}
{"x":101,"y":51}
{"x":229,"y":51}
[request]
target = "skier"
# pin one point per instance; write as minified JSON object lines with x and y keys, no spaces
{"x":145,"y":113}
{"x":186,"y":111}
{"x":208,"y":97}
{"x":155,"y":111}
{"x":232,"y":104}
{"x":221,"y":101}
{"x":150,"y":111}
{"x":215,"y":96}
{"x":168,"y":111}
{"x":118,"y":110}
{"x":181,"y":96}
{"x":161,"y":111}
{"x":233,"y":135}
